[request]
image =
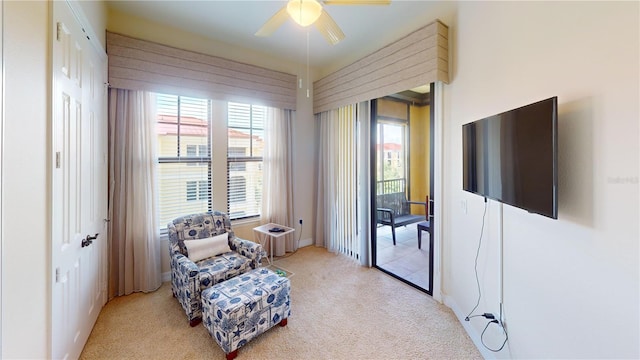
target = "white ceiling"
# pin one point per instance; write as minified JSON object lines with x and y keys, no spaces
{"x":367,"y":27}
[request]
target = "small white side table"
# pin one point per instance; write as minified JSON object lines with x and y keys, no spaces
{"x":262,"y":233}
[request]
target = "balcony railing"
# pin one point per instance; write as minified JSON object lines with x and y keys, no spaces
{"x":391,"y":186}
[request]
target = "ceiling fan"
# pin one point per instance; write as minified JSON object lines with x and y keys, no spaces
{"x":307,"y":12}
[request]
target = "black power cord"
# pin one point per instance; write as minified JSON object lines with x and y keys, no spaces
{"x":506,"y":336}
{"x":487,"y":316}
{"x":476,"y":265}
{"x":286,"y":255}
{"x":299,"y":236}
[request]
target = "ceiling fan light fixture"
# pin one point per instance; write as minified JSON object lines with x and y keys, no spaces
{"x":304,"y":12}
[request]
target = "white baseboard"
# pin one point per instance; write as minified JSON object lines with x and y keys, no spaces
{"x":166,"y":276}
{"x":305,"y":242}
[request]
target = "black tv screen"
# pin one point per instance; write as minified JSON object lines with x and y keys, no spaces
{"x":512,"y":157}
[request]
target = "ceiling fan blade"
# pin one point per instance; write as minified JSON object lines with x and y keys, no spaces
{"x":329,"y":29}
{"x":357,"y":2}
{"x":274,"y":23}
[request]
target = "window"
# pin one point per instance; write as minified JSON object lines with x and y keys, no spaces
{"x":244,"y":159}
{"x":183,"y":129}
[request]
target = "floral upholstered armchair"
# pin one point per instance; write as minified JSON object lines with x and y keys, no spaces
{"x":204,"y":251}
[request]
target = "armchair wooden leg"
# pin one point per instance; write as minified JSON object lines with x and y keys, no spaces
{"x":232,"y":355}
{"x":283,"y":322}
{"x":194,"y":322}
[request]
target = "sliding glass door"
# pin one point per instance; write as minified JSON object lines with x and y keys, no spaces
{"x":401,"y":187}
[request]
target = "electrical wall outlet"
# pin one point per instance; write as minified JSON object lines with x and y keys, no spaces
{"x":300,"y":221}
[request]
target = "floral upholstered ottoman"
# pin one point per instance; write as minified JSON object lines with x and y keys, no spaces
{"x":241,"y":308}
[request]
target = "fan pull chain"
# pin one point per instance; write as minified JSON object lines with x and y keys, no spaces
{"x":308,"y":63}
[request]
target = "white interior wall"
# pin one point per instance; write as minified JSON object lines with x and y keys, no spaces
{"x":26,"y":265}
{"x":1,"y":152}
{"x":571,"y":286}
{"x":304,"y":168}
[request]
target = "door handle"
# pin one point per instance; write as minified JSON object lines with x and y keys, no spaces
{"x":430,"y":205}
{"x":89,"y":240}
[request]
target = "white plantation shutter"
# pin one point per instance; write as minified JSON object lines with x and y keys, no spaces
{"x":244,"y":159}
{"x":184,"y":156}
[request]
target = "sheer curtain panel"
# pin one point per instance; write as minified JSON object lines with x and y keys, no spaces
{"x":134,"y":239}
{"x":277,"y":187}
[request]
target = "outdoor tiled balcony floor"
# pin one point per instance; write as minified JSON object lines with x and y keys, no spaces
{"x":404,"y":259}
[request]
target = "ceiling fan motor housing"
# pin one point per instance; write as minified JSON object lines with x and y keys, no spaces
{"x":304,"y":12}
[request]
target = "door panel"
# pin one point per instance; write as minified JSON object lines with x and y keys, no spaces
{"x":78,"y":184}
{"x":401,"y":181}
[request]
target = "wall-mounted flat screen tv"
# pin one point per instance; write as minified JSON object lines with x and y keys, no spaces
{"x":512,"y":157}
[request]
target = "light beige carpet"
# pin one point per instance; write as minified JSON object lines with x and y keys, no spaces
{"x":339,"y":310}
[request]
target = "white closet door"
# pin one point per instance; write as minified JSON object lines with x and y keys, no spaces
{"x":79,"y":173}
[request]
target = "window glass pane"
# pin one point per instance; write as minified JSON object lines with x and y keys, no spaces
{"x":178,"y":191}
{"x":182,"y":121}
{"x":194,"y":136}
{"x":194,"y":108}
{"x":191,"y":150}
{"x":238,"y":189}
{"x":244,"y":153}
{"x":239,"y":115}
{"x":191,"y":190}
{"x":184,"y":170}
{"x":239,"y":142}
{"x":203,"y":190}
{"x":167,"y":126}
{"x":394,"y":146}
{"x":236,"y":151}
{"x":257,"y":142}
{"x":237,"y":166}
{"x":258,"y":114}
{"x":245,"y":189}
{"x":194,"y":131}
